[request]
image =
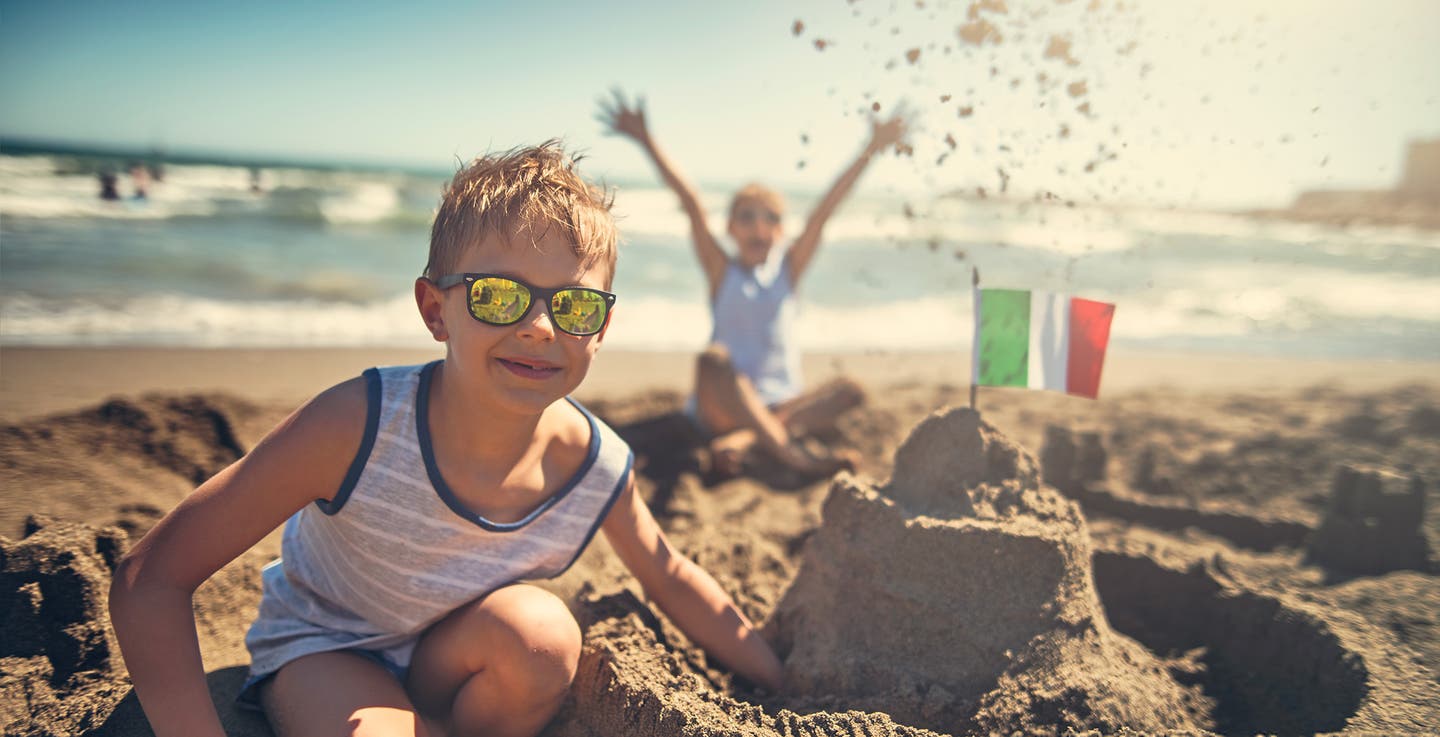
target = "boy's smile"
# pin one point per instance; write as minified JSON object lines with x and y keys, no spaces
{"x":529,"y":368}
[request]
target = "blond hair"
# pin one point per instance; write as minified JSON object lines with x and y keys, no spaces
{"x":531,"y":188}
{"x":756,"y":192}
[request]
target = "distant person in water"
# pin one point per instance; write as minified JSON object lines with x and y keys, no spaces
{"x":748,"y":388}
{"x":140,"y":177}
{"x":156,"y":167}
{"x":255,"y":187}
{"x":108,"y":184}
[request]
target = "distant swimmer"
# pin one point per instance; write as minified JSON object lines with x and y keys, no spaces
{"x":108,"y":182}
{"x":140,"y":176}
{"x":255,"y":180}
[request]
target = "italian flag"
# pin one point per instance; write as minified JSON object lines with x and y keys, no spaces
{"x":1039,"y":340}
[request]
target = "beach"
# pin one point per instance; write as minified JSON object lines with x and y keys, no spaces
{"x":1202,"y":553}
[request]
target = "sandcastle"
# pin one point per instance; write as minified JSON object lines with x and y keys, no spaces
{"x":960,"y":598}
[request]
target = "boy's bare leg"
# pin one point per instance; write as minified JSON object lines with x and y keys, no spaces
{"x":500,"y":666}
{"x":821,"y":407}
{"x":340,"y":693}
{"x":728,"y":405}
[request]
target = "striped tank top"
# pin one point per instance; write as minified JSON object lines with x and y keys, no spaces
{"x":395,"y":551}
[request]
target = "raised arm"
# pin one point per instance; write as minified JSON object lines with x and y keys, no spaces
{"x":882,"y":136}
{"x":626,"y":119}
{"x":689,"y":595}
{"x":151,"y":596}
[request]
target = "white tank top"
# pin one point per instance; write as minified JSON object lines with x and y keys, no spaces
{"x":754,"y":314}
{"x":394,"y":550}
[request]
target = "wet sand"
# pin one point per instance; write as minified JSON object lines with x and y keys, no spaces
{"x":1206,"y":551}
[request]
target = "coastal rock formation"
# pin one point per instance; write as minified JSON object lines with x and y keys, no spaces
{"x":960,"y":598}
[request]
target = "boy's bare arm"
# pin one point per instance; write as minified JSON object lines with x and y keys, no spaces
{"x":687,"y":594}
{"x":150,"y":598}
{"x":629,"y":120}
{"x":882,"y":136}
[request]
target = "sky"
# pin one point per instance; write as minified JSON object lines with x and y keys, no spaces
{"x":1227,"y":103}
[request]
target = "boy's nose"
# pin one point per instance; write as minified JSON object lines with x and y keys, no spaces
{"x":538,"y":325}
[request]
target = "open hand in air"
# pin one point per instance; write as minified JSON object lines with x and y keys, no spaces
{"x":626,"y":118}
{"x":887,"y":133}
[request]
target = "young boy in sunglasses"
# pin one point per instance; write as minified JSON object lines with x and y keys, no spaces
{"x":748,"y":387}
{"x":416,"y":498}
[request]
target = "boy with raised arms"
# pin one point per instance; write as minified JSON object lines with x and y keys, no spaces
{"x":416,"y":499}
{"x":748,"y":388}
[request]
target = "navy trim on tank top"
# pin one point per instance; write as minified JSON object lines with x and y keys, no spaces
{"x":442,"y":489}
{"x":604,"y":512}
{"x":362,"y":456}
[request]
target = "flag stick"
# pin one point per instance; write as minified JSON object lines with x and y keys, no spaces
{"x":974,"y":361}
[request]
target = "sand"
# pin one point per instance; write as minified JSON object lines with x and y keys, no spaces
{"x":1179,"y":555}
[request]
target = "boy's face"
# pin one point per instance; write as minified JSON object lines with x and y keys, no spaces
{"x":755,"y":226}
{"x":526,"y":366}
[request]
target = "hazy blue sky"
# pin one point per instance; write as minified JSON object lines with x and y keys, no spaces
{"x":1223,"y":102}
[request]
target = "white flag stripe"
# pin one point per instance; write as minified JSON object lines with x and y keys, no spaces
{"x":1049,"y":340}
{"x":975,"y":337}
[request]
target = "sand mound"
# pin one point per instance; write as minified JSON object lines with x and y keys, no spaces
{"x":140,"y":455}
{"x":960,"y":598}
{"x":60,"y":667}
{"x":1372,"y":522}
{"x":632,"y":681}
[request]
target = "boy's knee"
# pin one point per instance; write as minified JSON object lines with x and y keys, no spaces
{"x":850,"y":390}
{"x":540,"y":643}
{"x":715,"y":357}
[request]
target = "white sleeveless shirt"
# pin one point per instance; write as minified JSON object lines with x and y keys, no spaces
{"x":754,"y":312}
{"x":394,"y":550}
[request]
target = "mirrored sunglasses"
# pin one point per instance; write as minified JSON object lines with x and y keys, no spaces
{"x":501,"y":300}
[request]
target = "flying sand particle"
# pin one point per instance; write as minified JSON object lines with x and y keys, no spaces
{"x":979,"y":32}
{"x":1059,"y":48}
{"x":798,"y":27}
{"x":820,"y":44}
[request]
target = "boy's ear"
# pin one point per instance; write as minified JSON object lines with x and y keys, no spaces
{"x":428,"y":299}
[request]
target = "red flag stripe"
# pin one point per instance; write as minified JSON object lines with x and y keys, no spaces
{"x":1089,"y":334}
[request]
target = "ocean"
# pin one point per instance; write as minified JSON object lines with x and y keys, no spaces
{"x":327,"y":257}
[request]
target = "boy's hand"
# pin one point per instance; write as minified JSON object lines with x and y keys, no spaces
{"x":623,"y":117}
{"x":887,"y":133}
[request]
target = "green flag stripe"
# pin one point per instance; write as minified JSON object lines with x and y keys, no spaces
{"x":1004,"y":340}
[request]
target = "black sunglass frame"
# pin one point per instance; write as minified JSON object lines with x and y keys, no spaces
{"x":537,"y":294}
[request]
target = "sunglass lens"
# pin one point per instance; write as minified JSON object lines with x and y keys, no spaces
{"x":579,"y":311}
{"x":498,"y":301}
